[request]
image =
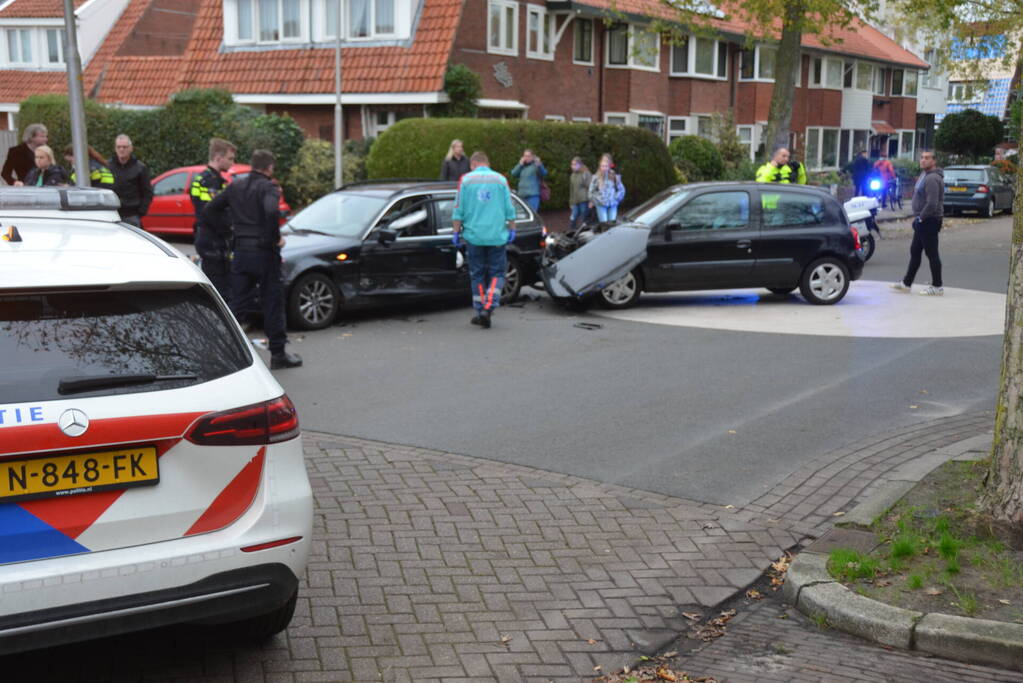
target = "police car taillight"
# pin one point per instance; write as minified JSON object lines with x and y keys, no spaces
{"x":258,"y":424}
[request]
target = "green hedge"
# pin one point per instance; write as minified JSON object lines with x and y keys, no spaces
{"x":175,"y":135}
{"x":415,"y":148}
{"x":698,"y":158}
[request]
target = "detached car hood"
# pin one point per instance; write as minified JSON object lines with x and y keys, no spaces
{"x":595,"y":265}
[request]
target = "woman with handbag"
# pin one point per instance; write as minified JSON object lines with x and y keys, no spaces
{"x":606,"y":190}
{"x":530,"y":172}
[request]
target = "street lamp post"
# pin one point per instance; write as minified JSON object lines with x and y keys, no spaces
{"x":339,"y":133}
{"x":76,"y":100}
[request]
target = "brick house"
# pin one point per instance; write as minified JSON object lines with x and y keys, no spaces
{"x":559,"y":60}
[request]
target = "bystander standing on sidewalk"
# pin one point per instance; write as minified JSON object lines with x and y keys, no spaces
{"x":456,"y":164}
{"x":928,"y":201}
{"x":579,"y":192}
{"x":21,"y":158}
{"x":861,"y":169}
{"x":46,"y":173}
{"x":606,"y":190}
{"x":530,"y":172}
{"x":131,"y":182}
{"x":485,"y":218}
{"x":99,"y":174}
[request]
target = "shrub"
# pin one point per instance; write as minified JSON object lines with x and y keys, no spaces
{"x":969,"y":134}
{"x":906,"y":168}
{"x":415,"y":148}
{"x":697,"y":157}
{"x":175,"y":135}
{"x":463,"y":87}
{"x":1005,"y":166}
{"x":312,"y":174}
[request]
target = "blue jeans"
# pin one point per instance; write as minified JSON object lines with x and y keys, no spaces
{"x":487,"y":266}
{"x":579,"y":214}
{"x":533,"y":202}
{"x":607,"y":214}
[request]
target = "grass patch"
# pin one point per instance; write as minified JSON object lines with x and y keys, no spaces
{"x":915,"y":581}
{"x":849,"y":565}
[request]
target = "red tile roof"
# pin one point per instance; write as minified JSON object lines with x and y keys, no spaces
{"x":860,"y":39}
{"x":16,"y":85}
{"x":418,"y":68}
{"x":35,"y":9}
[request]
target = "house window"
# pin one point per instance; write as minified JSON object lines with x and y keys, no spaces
{"x":654,"y":124}
{"x":967,"y":92}
{"x":265,"y":21}
{"x":697,"y":56}
{"x":816,"y":71}
{"x":633,"y":46}
{"x":581,"y":119}
{"x":616,"y":119}
{"x":833,"y":74}
{"x":54,"y":46}
{"x":680,"y":58}
{"x":907,"y":144}
{"x":879,"y":78}
{"x":745,"y":134}
{"x":503,"y":27}
{"x":583,"y":53}
{"x":19,"y":45}
{"x":848,"y":71}
{"x":539,"y":33}
{"x":368,"y":18}
{"x":676,"y":127}
{"x":554,"y":117}
{"x":864,"y":76}
{"x":703,"y":128}
{"x":928,"y":79}
{"x":758,"y":63}
{"x":904,"y":82}
{"x":618,"y":45}
{"x":822,"y":148}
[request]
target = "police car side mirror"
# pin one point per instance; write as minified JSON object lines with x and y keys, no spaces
{"x":385,"y":235}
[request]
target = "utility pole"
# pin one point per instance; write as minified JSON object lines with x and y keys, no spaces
{"x":339,"y":133}
{"x":76,"y":99}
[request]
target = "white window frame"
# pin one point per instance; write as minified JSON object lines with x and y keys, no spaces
{"x":697,"y":118}
{"x":862,"y":66}
{"x":757,"y":77}
{"x":45,"y":47}
{"x":37,"y":38}
{"x":638,"y":114}
{"x":631,"y":62}
{"x":880,"y":76}
{"x":752,"y":138}
{"x":816,"y":164}
{"x":691,"y":72}
{"x":672,"y":134}
{"x":912,"y":152}
{"x":373,"y":34}
{"x":624,"y":116}
{"x":554,"y":117}
{"x":545,"y":24}
{"x":929,"y":78}
{"x":231,"y":34}
{"x":905,"y":79}
{"x":823,"y":82}
{"x":578,"y":21}
{"x":582,"y":119}
{"x":504,"y":5}
{"x":25,"y":34}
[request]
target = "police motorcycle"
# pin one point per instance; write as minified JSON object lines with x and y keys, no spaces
{"x":862,"y":215}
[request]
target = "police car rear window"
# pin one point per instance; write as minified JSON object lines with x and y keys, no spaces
{"x":47,"y":338}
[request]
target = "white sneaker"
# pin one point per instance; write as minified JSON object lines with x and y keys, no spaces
{"x":931,"y":290}
{"x":899,"y":287}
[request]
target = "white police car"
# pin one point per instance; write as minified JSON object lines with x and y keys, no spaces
{"x":151,"y":469}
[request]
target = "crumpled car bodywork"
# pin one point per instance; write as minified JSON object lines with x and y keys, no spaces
{"x":606,"y":258}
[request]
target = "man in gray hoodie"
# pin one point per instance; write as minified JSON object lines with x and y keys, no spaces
{"x":928,"y":201}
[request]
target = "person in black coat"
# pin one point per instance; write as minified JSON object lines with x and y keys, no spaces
{"x":861,"y":169}
{"x":131,"y":182}
{"x":456,"y":164}
{"x":45,"y":172}
{"x":21,"y":158}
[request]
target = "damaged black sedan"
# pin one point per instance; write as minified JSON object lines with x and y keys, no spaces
{"x":711,"y":236}
{"x":387,"y":242}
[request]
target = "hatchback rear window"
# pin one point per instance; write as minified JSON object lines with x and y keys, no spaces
{"x":51,"y":341}
{"x":963,"y":175}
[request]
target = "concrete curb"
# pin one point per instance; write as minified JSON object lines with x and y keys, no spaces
{"x":813,"y":591}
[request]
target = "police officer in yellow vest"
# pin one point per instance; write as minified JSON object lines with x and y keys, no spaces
{"x":99,"y":174}
{"x":780,"y":170}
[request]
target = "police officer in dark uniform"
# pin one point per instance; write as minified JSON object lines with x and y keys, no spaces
{"x":213,"y":246}
{"x":256,"y":266}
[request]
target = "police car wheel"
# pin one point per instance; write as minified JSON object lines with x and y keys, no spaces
{"x":314,"y":302}
{"x":263,"y":627}
{"x":622,"y":293}
{"x":512,"y":280}
{"x":825,"y":281}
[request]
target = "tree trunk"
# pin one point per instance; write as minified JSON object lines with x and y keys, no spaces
{"x":787,"y":63}
{"x":1003,"y":490}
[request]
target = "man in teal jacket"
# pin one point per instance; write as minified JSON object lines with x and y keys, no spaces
{"x":485,"y":218}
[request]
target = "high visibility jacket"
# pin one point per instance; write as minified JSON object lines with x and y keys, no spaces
{"x":792,"y":172}
{"x":99,"y":175}
{"x":484,"y":206}
{"x":205,"y":186}
{"x":210,"y":242}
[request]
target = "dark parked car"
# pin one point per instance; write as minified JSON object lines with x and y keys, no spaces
{"x":385,"y":242}
{"x":983,"y":189}
{"x":713,"y":236}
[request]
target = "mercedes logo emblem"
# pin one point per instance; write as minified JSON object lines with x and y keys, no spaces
{"x":73,"y":422}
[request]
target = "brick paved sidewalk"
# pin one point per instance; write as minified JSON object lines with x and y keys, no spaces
{"x":430,"y":566}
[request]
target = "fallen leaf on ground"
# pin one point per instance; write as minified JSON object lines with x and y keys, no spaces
{"x":592,"y":641}
{"x":933,"y":590}
{"x":913,"y":407}
{"x":882,"y":583}
{"x":597,"y":668}
{"x":506,"y":639}
{"x":665,"y":674}
{"x":729,"y":507}
{"x":754,"y":594}
{"x":838,"y":514}
{"x":732,"y":431}
{"x":669,"y":655}
{"x":1005,"y":602}
{"x":692,"y":616}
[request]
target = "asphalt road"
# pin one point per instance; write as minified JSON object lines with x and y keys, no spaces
{"x":705,"y":414}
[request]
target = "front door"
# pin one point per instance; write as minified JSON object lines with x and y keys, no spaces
{"x":707,"y":243}
{"x":419,"y":262}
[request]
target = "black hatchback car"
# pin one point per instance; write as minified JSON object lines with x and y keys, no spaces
{"x":983,"y":189}
{"x":716,"y":236}
{"x":386,"y":242}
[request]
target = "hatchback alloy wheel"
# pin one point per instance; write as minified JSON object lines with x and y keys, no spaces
{"x":621,"y":293}
{"x":314,"y":302}
{"x":825,"y":281}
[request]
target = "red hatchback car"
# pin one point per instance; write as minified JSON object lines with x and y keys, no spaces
{"x":171,"y":211}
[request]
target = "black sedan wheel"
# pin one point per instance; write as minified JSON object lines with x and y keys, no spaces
{"x":989,"y":211}
{"x":825,"y":281}
{"x":622,"y":293}
{"x":512,"y":280}
{"x":314,"y":302}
